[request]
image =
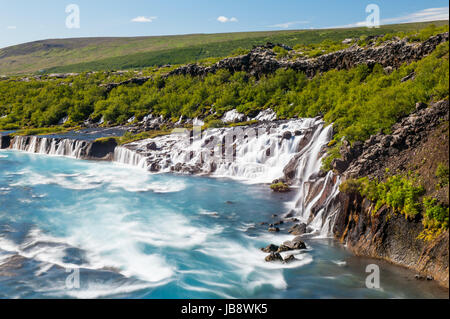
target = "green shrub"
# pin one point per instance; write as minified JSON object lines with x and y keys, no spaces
{"x":435,"y":218}
{"x":442,"y":173}
{"x":281,"y":52}
{"x":351,"y":186}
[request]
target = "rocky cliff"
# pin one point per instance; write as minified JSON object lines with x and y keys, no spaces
{"x":418,"y":143}
{"x":262,"y":60}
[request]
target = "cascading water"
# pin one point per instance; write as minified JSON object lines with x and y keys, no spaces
{"x":258,"y":154}
{"x":49,"y":146}
{"x":126,"y":156}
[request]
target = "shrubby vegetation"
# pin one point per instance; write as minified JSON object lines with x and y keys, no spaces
{"x":403,"y":195}
{"x":442,"y":173}
{"x":359,"y":102}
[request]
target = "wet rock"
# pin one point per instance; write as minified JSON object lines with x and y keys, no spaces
{"x":154,"y":167}
{"x":289,"y":259}
{"x":295,"y":244}
{"x":5,"y":141}
{"x":274,"y":229}
{"x":274,"y":257}
{"x":152,"y":146}
{"x":270,"y":248}
{"x":419,"y":277}
{"x":287,"y":135}
{"x":283,"y":248}
{"x":298,"y":229}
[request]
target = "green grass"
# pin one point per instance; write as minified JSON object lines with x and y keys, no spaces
{"x":91,"y":54}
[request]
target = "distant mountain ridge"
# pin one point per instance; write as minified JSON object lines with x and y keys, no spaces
{"x":88,"y":54}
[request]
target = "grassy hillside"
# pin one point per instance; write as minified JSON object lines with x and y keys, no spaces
{"x":91,"y":54}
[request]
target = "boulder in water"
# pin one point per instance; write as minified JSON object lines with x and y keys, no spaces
{"x":298,"y":229}
{"x":269,"y":249}
{"x":274,"y":257}
{"x":289,"y":259}
{"x":152,"y":146}
{"x":287,"y":135}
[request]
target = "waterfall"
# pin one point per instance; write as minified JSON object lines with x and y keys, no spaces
{"x":291,"y":150}
{"x":288,"y":150}
{"x":127,"y":156}
{"x":50,"y":146}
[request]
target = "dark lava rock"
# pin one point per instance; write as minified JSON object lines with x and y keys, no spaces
{"x":262,"y":60}
{"x":421,"y":106}
{"x":152,"y":146}
{"x":298,"y":229}
{"x":5,"y":141}
{"x":269,"y":249}
{"x":289,"y":259}
{"x":287,"y":135}
{"x":274,"y":257}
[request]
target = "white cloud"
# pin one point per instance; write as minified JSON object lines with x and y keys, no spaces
{"x":430,"y":14}
{"x":287,"y":25}
{"x":11,"y":27}
{"x":224,"y":19}
{"x":426,"y":15}
{"x":143,"y":19}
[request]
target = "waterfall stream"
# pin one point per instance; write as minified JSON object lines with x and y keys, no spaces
{"x":259,"y":154}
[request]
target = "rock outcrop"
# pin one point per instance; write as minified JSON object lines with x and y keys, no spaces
{"x":388,"y":235}
{"x":262,"y":60}
{"x":369,"y":158}
{"x":417,"y":142}
{"x":5,"y":141}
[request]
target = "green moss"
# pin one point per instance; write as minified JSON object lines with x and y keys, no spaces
{"x":280,"y":187}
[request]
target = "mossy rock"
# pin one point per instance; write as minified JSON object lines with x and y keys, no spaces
{"x":280,"y":187}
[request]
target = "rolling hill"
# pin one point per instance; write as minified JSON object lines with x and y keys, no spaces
{"x":91,"y":54}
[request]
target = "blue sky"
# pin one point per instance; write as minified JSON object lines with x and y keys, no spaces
{"x":23,"y":20}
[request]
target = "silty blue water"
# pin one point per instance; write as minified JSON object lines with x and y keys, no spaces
{"x":131,"y":234}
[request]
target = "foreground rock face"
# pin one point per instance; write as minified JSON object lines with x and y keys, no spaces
{"x":387,"y":235}
{"x":418,"y":143}
{"x":262,"y":60}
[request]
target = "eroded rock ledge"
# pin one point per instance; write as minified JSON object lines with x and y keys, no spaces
{"x":262,"y":60}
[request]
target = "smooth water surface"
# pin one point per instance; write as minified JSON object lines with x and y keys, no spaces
{"x":132,"y":234}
